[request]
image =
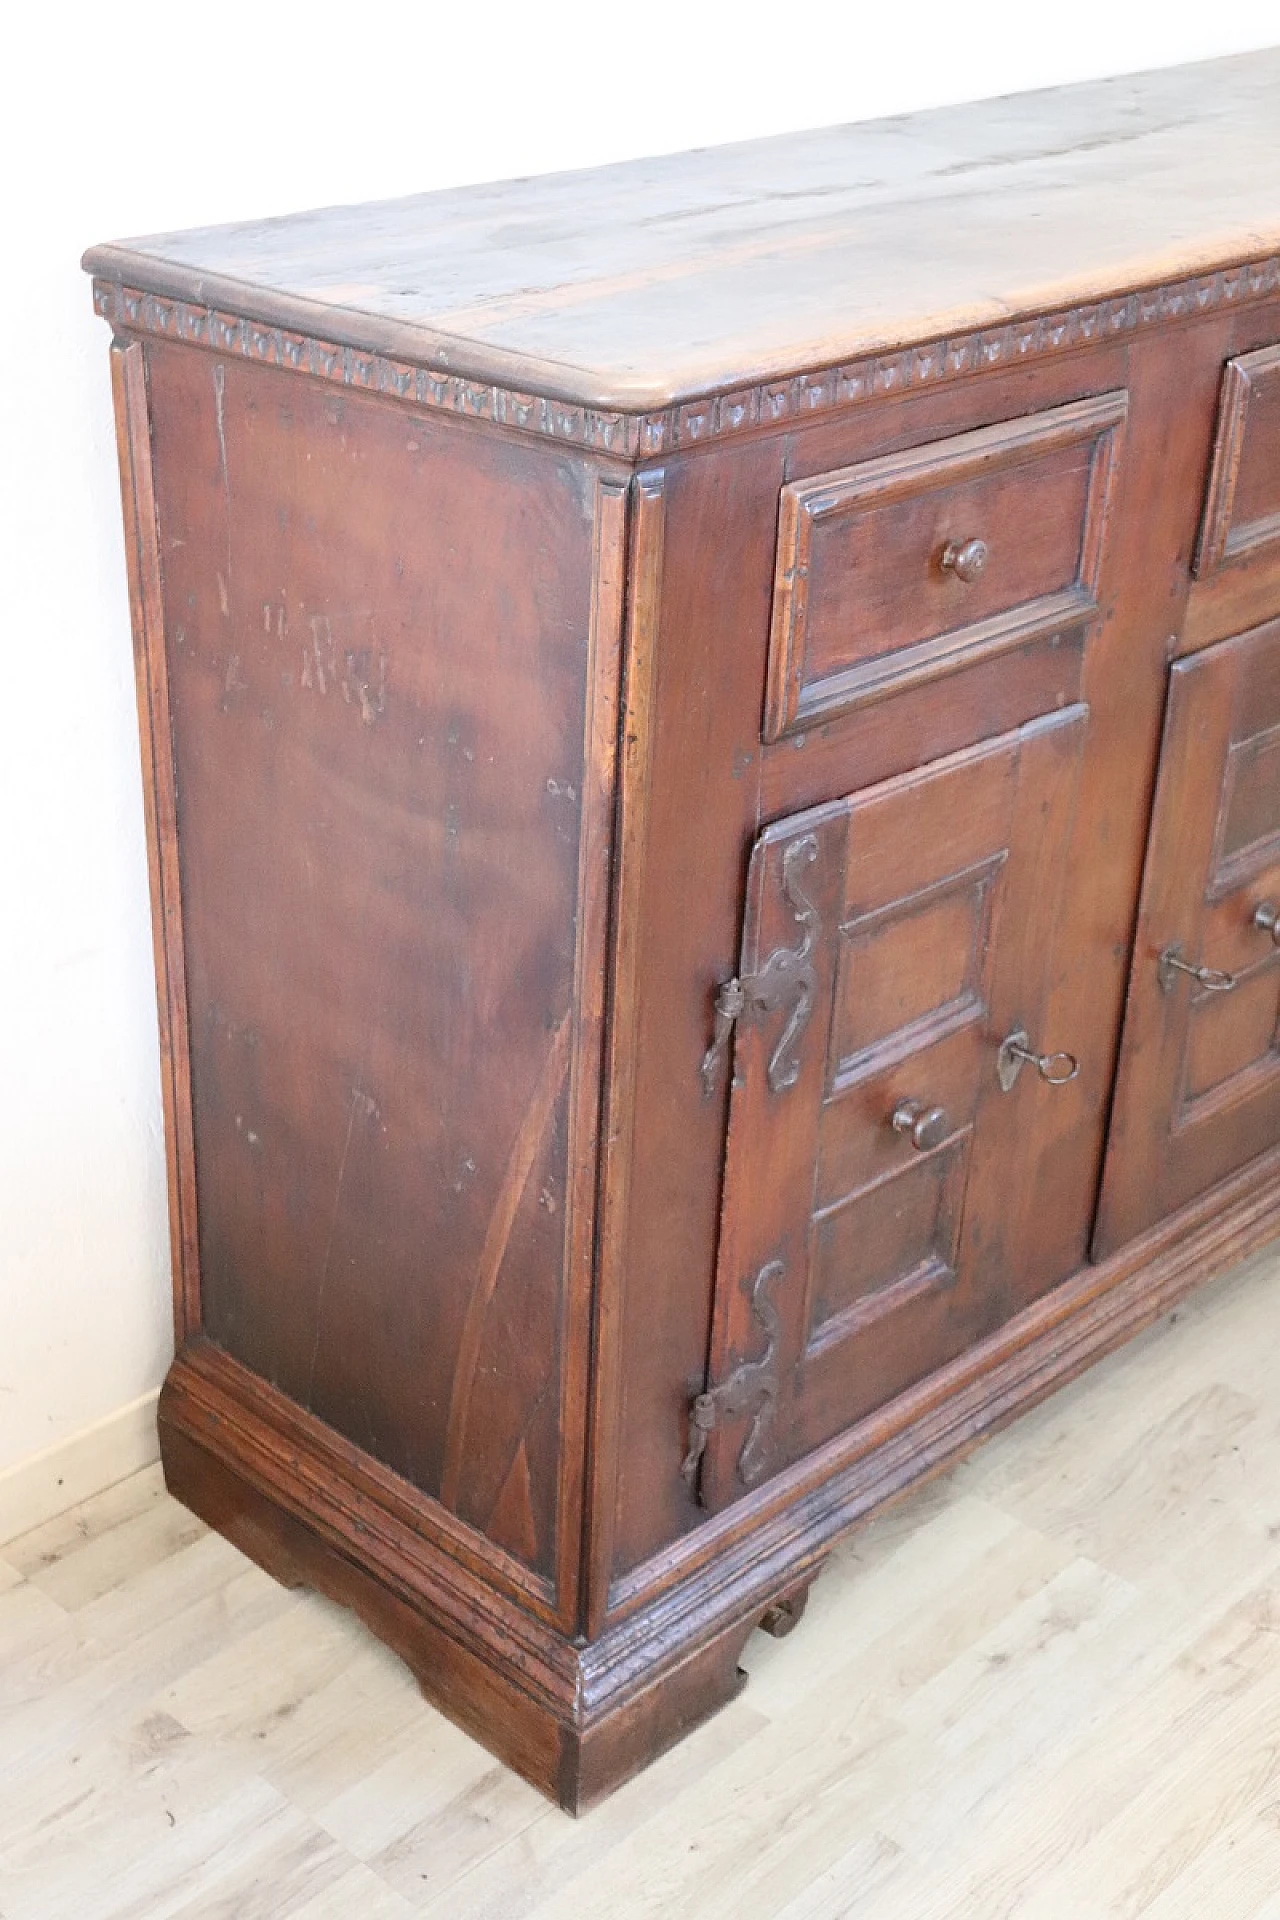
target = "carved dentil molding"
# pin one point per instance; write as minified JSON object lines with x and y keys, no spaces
{"x":642,"y":435}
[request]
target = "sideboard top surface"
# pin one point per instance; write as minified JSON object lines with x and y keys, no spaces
{"x":642,"y":284}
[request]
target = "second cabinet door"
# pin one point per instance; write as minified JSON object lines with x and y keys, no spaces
{"x":1198,"y":1087}
{"x":897,"y":952}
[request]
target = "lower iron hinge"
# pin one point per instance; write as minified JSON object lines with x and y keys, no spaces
{"x":751,"y":1388}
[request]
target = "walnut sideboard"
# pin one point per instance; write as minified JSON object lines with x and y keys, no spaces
{"x":712,"y":733}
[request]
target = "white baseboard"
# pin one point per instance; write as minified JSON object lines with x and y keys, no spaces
{"x":48,"y":1483}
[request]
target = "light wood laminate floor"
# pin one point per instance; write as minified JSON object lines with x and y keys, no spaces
{"x":1047,"y":1686}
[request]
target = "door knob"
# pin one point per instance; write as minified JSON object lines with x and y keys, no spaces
{"x":925,"y":1127}
{"x":1266,"y":915}
{"x":1017,"y":1052}
{"x":964,"y":558}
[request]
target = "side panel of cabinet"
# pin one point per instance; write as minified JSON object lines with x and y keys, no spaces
{"x":1198,"y":1090}
{"x":875,"y":1192}
{"x":390,"y":647}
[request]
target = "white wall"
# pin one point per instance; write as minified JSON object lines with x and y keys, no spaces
{"x":124,"y":120}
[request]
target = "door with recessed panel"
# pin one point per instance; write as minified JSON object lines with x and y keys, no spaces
{"x":890,"y":1068}
{"x":1198,"y":1087}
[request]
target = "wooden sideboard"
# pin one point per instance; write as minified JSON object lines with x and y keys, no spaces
{"x":712,"y":733}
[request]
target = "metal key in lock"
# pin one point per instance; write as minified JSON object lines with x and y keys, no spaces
{"x":1017,"y":1052}
{"x":1171,"y":964}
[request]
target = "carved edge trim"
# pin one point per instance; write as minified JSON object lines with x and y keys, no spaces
{"x":187,"y":321}
{"x":689,"y":423}
{"x":151,"y":677}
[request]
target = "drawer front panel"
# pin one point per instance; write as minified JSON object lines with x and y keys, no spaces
{"x":905,"y":566}
{"x":1242,"y":507}
{"x":893,"y":938}
{"x":1198,"y":1088}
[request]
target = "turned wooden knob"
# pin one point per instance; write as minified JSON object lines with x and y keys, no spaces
{"x":1267,"y":916}
{"x":925,"y":1127}
{"x":965,"y":559}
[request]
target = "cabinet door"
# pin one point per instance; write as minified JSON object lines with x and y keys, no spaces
{"x":1198,"y":1088}
{"x":873,"y":1199}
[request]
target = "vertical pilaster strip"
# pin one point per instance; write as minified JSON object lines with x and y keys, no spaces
{"x":142,"y":556}
{"x":635,"y":723}
{"x":595,"y":858}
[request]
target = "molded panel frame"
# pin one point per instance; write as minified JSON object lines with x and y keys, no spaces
{"x":1224,"y":538}
{"x":796,"y":700}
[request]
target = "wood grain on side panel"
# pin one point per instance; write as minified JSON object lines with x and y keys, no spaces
{"x":383,"y":899}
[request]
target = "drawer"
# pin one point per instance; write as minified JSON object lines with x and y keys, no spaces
{"x":1242,"y":505}
{"x":909,"y":565}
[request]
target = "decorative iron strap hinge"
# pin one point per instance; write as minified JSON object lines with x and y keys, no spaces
{"x":751,"y":1388}
{"x":786,"y":979}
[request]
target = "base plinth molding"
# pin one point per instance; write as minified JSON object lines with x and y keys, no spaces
{"x":578,"y":1718}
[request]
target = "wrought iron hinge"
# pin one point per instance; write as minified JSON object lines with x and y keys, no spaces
{"x":751,"y":1388}
{"x":786,"y":979}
